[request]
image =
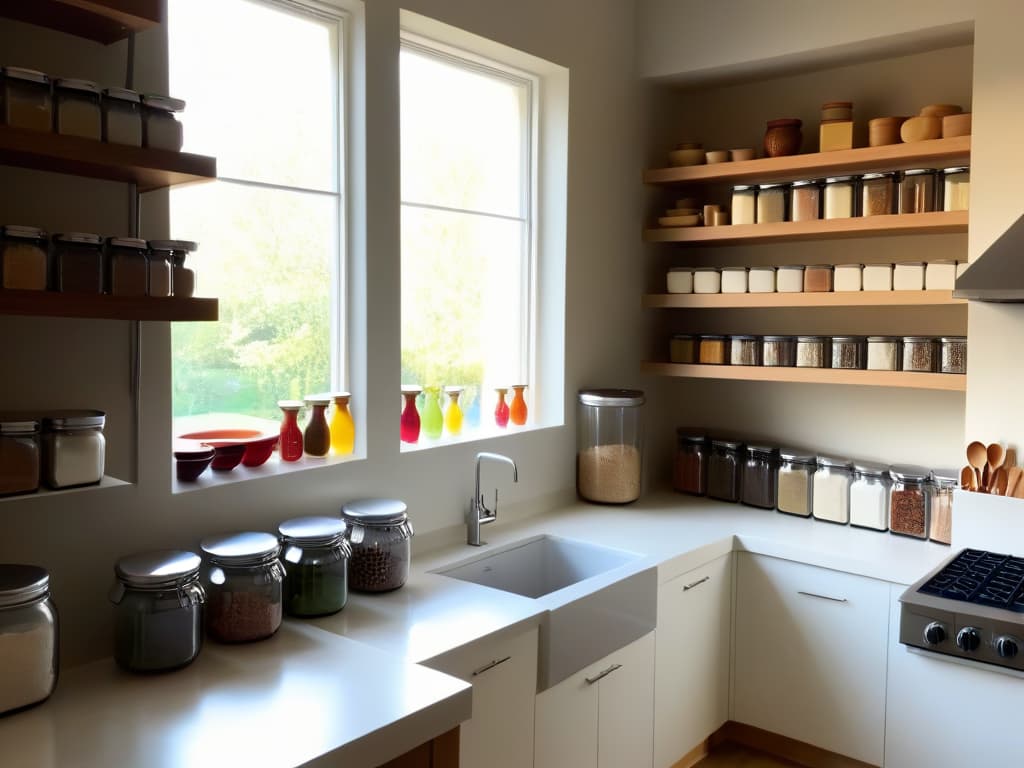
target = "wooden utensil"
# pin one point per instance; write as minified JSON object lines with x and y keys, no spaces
{"x":1018,"y":492}
{"x":1013,"y":478}
{"x":996,"y":455}
{"x":1001,"y":481}
{"x":977,"y":457}
{"x":986,"y":479}
{"x":1011,"y":458}
{"x":967,"y":479}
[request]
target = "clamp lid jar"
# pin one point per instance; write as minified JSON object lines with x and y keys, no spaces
{"x":74,"y":448}
{"x":78,"y":262}
{"x":126,"y":266}
{"x":122,"y":117}
{"x":315,"y":555}
{"x":759,"y":481}
{"x":183,"y":279}
{"x":78,"y":108}
{"x":794,"y":487}
{"x":690,"y":469}
{"x":832,"y":490}
{"x":724,"y":470}
{"x":160,"y":129}
{"x":869,"y":496}
{"x":244,"y":586}
{"x":911,"y":497}
{"x":27,"y":100}
{"x":381,"y":534}
{"x":609,"y":444}
{"x":29,"y":660}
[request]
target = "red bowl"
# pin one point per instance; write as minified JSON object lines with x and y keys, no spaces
{"x":191,"y":460}
{"x":258,"y":451}
{"x":227,"y":456}
{"x":251,"y":447}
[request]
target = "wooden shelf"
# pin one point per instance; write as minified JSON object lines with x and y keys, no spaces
{"x":797,"y":300}
{"x":53,"y":304}
{"x":934,"y":381}
{"x":43,"y":492}
{"x":149,"y":168}
{"x":105,"y":21}
{"x":893,"y":157}
{"x":941,"y":222}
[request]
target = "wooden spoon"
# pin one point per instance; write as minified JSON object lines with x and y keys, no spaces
{"x":1013,"y":479}
{"x":967,"y":479}
{"x":1018,"y":492}
{"x":1011,"y":458}
{"x":996,"y":455}
{"x":977,"y":457}
{"x":1001,"y":481}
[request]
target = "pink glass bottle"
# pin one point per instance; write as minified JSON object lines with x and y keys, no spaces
{"x":501,"y":412}
{"x":291,"y":434}
{"x":410,"y":430}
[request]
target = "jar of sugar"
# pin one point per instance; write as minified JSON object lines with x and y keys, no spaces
{"x":28,"y":637}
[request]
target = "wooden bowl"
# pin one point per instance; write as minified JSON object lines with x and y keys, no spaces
{"x":679,"y":221}
{"x":940,"y":110}
{"x":718,"y":156}
{"x":884,"y":130}
{"x":956,"y":125}
{"x":747,"y":153}
{"x":682,"y":211}
{"x":921,"y":129}
{"x":683,"y":157}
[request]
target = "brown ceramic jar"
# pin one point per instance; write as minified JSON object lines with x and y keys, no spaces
{"x":783,"y":137}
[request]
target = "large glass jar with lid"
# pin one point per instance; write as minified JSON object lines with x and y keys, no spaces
{"x":29,"y":652}
{"x":158,"y":613}
{"x":609,"y":444}
{"x":122,"y":117}
{"x":78,"y":108}
{"x":126,"y":266}
{"x":380,"y":533}
{"x":795,"y":483}
{"x":183,"y":279}
{"x":759,"y":484}
{"x":724,"y":467}
{"x":690,"y":470}
{"x":78,"y":263}
{"x":160,"y":128}
{"x":832,"y":490}
{"x":74,"y":448}
{"x":869,"y":496}
{"x":27,"y":100}
{"x":910,"y":501}
{"x":315,"y":554}
{"x":244,"y":579}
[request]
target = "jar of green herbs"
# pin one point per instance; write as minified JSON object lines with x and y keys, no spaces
{"x":315,"y":554}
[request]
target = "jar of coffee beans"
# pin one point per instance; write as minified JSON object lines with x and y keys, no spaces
{"x":244,"y":580}
{"x":910,"y":501}
{"x":380,"y":534}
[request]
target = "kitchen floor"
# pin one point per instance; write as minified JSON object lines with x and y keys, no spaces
{"x":736,"y":756}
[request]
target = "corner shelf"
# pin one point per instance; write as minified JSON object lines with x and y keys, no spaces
{"x":798,"y":300}
{"x":101,"y":306}
{"x":104,"y":21}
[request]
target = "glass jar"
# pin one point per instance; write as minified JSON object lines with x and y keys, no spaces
{"x":956,"y":189}
{"x":848,"y":277}
{"x":183,"y":280}
{"x":27,"y":100}
{"x":159,"y":271}
{"x":869,"y":496}
{"x":771,"y":203}
{"x":908,"y":276}
{"x":160,"y":129}
{"x":679,"y":280}
{"x":158,"y":615}
{"x":812,"y":352}
{"x":805,"y":200}
{"x":908,"y":512}
{"x":877,"y":277}
{"x":316,"y":438}
{"x":953,"y":356}
{"x":315,"y":553}
{"x":19,"y":455}
{"x":126,"y":266}
{"x":778,"y":351}
{"x":839,"y":197}
{"x":832,"y":490}
{"x":380,"y":534}
{"x":744,"y":350}
{"x":883,"y":353}
{"x":707,"y":280}
{"x":919,"y":354}
{"x":724,"y":466}
{"x":78,"y":108}
{"x":917,"y":191}
{"x":940,"y":524}
{"x":609,"y":445}
{"x":760,"y":477}
{"x":734,"y":280}
{"x":876,"y":194}
{"x":744,"y":204}
{"x":795,"y":485}
{"x":713,"y":350}
{"x":243,"y":585}
{"x":78,"y":263}
{"x":29,"y":637}
{"x":690,"y":469}
{"x":818,"y":278}
{"x":24,"y":265}
{"x":848,"y":352}
{"x":122,"y":117}
{"x":74,"y":449}
{"x":682,"y":348}
{"x":790,"y":279}
{"x":761,"y":280}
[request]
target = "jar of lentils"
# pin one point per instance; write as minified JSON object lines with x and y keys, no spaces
{"x":908,"y":512}
{"x":315,"y":554}
{"x":953,"y":356}
{"x":244,"y":579}
{"x":380,"y":534}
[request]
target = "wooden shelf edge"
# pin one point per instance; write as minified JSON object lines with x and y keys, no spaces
{"x":801,"y":300}
{"x":103,"y":307}
{"x":950,"y":151}
{"x":104,"y":21}
{"x":43,"y":493}
{"x":947,"y":382}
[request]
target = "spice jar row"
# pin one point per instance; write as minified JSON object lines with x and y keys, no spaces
{"x":81,"y":262}
{"x":432,"y":421}
{"x":58,"y":449}
{"x":923,"y":354}
{"x":36,"y":101}
{"x":817,"y":278}
{"x":906,"y":500}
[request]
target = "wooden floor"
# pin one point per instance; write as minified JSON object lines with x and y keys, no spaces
{"x":731,"y":755}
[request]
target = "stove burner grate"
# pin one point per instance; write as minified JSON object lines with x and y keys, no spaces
{"x":985,"y":578}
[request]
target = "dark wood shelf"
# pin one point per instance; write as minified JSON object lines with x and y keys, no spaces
{"x":53,"y":304}
{"x":149,"y":168}
{"x":105,"y":21}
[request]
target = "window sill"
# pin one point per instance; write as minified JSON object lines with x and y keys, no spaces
{"x":274,"y":467}
{"x":473,"y":436}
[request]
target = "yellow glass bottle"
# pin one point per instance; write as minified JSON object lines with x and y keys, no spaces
{"x":453,"y":413}
{"x":343,"y":429}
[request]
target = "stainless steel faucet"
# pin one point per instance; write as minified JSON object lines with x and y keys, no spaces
{"x":478,"y":514}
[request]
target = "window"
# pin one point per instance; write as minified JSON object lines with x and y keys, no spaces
{"x":268,"y":105}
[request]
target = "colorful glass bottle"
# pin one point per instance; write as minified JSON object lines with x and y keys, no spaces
{"x":316,"y":440}
{"x":517,"y":411}
{"x":501,"y":409}
{"x":432,"y":420}
{"x":343,"y":429}
{"x":453,"y":413}
{"x":291,"y":436}
{"x":410,"y":431}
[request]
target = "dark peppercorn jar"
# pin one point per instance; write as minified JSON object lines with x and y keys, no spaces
{"x":315,"y":554}
{"x":690,"y":469}
{"x":381,"y":537}
{"x":724,"y":466}
{"x":909,"y":501}
{"x":759,"y":484}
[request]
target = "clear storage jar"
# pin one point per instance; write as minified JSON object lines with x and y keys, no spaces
{"x":883,"y":353}
{"x":795,"y":483}
{"x":690,"y":468}
{"x":126,"y":266}
{"x":920,"y":354}
{"x":771,"y":203}
{"x":917,"y":191}
{"x":159,"y":271}
{"x":956,"y":189}
{"x":724,"y":464}
{"x":940,"y":508}
{"x":27,"y":100}
{"x":160,"y":129}
{"x":19,"y":455}
{"x":183,"y":279}
{"x":74,"y":448}
{"x":812,"y":352}
{"x":78,"y":263}
{"x":778,"y":351}
{"x":848,"y":352}
{"x":244,"y":579}
{"x":122,"y":117}
{"x":839,"y":197}
{"x":29,"y":637}
{"x":869,"y":496}
{"x":790,"y":279}
{"x":380,"y":536}
{"x":910,"y":500}
{"x":953,"y":354}
{"x":158,"y":614}
{"x":832,"y":490}
{"x":609,"y":444}
{"x":744,"y":350}
{"x":24,"y":264}
{"x":682,"y":348}
{"x":78,"y":108}
{"x":315,"y":553}
{"x":876,"y":194}
{"x":805,"y":200}
{"x":759,"y":483}
{"x":744,"y":204}
{"x":714,"y":350}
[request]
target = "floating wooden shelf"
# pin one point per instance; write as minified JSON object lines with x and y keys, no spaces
{"x":53,"y":304}
{"x":105,"y":21}
{"x":797,"y":300}
{"x":42,"y":493}
{"x":149,"y":168}
{"x":935,"y":381}
{"x":921,"y":154}
{"x":941,"y":222}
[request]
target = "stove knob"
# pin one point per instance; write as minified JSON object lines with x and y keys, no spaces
{"x":968,"y":639}
{"x":1006,"y":646}
{"x":935,"y":633}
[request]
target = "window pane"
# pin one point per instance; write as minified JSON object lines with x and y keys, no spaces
{"x":269,"y":257}
{"x":463,"y":137}
{"x":261,"y":89}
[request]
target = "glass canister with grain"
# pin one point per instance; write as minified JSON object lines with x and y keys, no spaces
{"x":609,"y":445}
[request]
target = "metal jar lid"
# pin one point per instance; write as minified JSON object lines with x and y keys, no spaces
{"x":323,"y":400}
{"x":870,"y":468}
{"x":163,"y":103}
{"x":910,"y":472}
{"x":79,"y":237}
{"x":946,"y":478}
{"x":691,"y":435}
{"x":375,"y":511}
{"x":122,"y":94}
{"x":777,"y":339}
{"x":128,"y":242}
{"x":745,"y":188}
{"x":29,"y":75}
{"x":953,"y":340}
{"x":832,"y":461}
{"x":743,"y":338}
{"x":795,"y":456}
{"x":957,"y":169}
{"x":314,"y":531}
{"x":17,"y":425}
{"x":611,"y":397}
{"x":75,"y":84}
{"x":158,"y":569}
{"x":24,"y":233}
{"x":807,"y":183}
{"x":847,"y":339}
{"x":61,"y":421}
{"x":812,"y":339}
{"x":712,"y":337}
{"x":173,"y":245}
{"x":883,"y":339}
{"x":21,"y":584}
{"x":776,"y":185}
{"x":764,"y":449}
{"x":731,"y":445}
{"x":798,"y":267}
{"x":874,"y":176}
{"x":918,"y":340}
{"x":918,"y":171}
{"x":840,"y":179}
{"x":248,"y":548}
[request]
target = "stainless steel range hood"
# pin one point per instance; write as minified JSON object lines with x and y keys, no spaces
{"x":998,"y":274}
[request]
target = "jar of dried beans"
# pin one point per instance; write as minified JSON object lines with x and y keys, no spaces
{"x":954,"y":354}
{"x":380,"y":535}
{"x":848,"y":352}
{"x":315,"y":554}
{"x":244,"y":579}
{"x":805,"y":200}
{"x":919,"y":354}
{"x":812,"y":351}
{"x":690,"y":470}
{"x":724,"y":470}
{"x":910,"y":500}
{"x":744,"y":350}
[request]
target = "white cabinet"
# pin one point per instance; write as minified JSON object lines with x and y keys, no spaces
{"x":811,"y":655}
{"x":691,"y":680}
{"x":601,"y":717}
{"x":504,"y":677}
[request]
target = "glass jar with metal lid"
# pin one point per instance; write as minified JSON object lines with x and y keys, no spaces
{"x":839,"y":197}
{"x":29,"y":637}
{"x":883,"y":353}
{"x":812,"y":351}
{"x":724,"y":465}
{"x":244,"y":580}
{"x":609,"y":444}
{"x":315,"y":553}
{"x":682,"y":348}
{"x":78,"y":108}
{"x":953,"y":355}
{"x":78,"y":263}
{"x":805,"y":200}
{"x":713,"y":350}
{"x":24,"y":264}
{"x":74,"y":448}
{"x":920,"y":354}
{"x":160,"y":129}
{"x":381,"y":534}
{"x":795,"y":486}
{"x":917,"y":191}
{"x":744,"y":204}
{"x":956,"y":188}
{"x":778,"y":351}
{"x":869,"y":496}
{"x":832,"y":490}
{"x":744,"y":350}
{"x":183,"y":279}
{"x":158,"y":614}
{"x":771,"y":203}
{"x":876,"y":192}
{"x":27,"y":100}
{"x":940,"y":508}
{"x":690,"y":470}
{"x":910,"y":500}
{"x":122,"y":117}
{"x":19,"y":454}
{"x":759,"y":482}
{"x":848,"y":352}
{"x":126,"y":266}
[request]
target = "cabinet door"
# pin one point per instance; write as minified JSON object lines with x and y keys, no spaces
{"x":567,"y":721}
{"x":811,"y":655}
{"x":626,"y":707}
{"x":691,"y":680}
{"x":504,"y":678}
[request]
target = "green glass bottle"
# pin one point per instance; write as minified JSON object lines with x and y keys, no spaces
{"x":431,"y":419}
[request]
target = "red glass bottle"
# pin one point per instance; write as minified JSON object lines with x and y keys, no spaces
{"x":291,"y":434}
{"x":410,"y":431}
{"x":501,"y":412}
{"x":517,"y":411}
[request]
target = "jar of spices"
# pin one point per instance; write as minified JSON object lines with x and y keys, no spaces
{"x":920,"y":354}
{"x":876,"y":194}
{"x":27,"y":100}
{"x":689,"y":471}
{"x":917,"y":191}
{"x":805,"y":200}
{"x":908,"y":276}
{"x":759,"y":481}
{"x":771,"y":203}
{"x":682,"y":348}
{"x":832,"y":490}
{"x":724,"y":470}
{"x":609,"y":444}
{"x":122,"y":117}
{"x":183,"y":280}
{"x":940,"y":526}
{"x":734,"y":280}
{"x":869,"y":496}
{"x":19,"y":454}
{"x":812,"y":352}
{"x":956,"y":189}
{"x":790,"y":279}
{"x":160,"y":129}
{"x":877,"y":277}
{"x":795,"y":483}
{"x":953,"y":356}
{"x":126,"y":266}
{"x":24,"y":265}
{"x":680,"y":280}
{"x":316,"y":438}
{"x":883,"y":353}
{"x":761,"y":280}
{"x":380,"y":534}
{"x":78,"y":108}
{"x":713,"y":350}
{"x":74,"y":449}
{"x":744,"y":204}
{"x":29,"y":659}
{"x":244,"y":586}
{"x":158,"y":615}
{"x":818,"y":278}
{"x":839,"y":197}
{"x":315,"y":553}
{"x":78,"y":263}
{"x":848,"y":277}
{"x":707,"y":280}
{"x":908,"y":513}
{"x":848,"y":352}
{"x":744,"y":350}
{"x":778,"y":351}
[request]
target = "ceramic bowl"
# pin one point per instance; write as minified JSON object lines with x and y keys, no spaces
{"x":718,"y":156}
{"x":683,"y":157}
{"x":251,"y":447}
{"x":956,"y":125}
{"x":747,"y":153}
{"x":679,"y":221}
{"x":191,"y":459}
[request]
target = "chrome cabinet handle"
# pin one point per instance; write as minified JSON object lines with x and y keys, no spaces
{"x":490,"y":665}
{"x":605,"y":673}
{"x":823,"y":597}
{"x":696,"y":583}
